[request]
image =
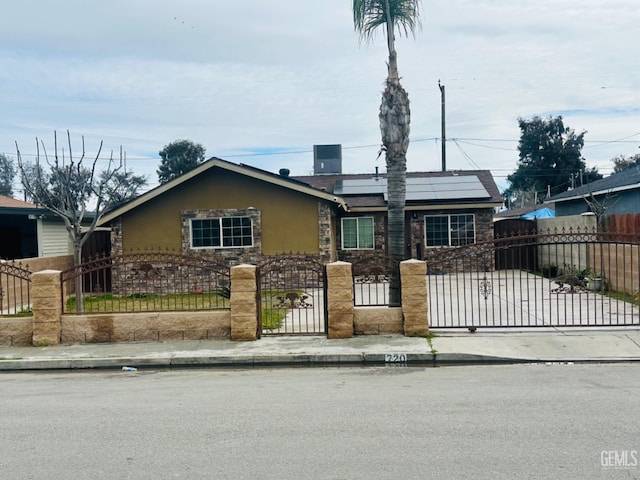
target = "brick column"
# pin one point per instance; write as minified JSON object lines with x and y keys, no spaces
{"x":46,"y":301}
{"x":244,"y":303}
{"x":413,"y":276}
{"x":340,"y":300}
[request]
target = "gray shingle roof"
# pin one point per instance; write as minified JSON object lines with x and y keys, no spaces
{"x":626,"y":179}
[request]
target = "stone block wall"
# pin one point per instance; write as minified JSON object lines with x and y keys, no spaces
{"x":241,"y":321}
{"x":46,"y":295}
{"x":145,"y":327}
{"x":244,"y":303}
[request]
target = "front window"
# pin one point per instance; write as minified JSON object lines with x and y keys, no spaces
{"x":449,"y":230}
{"x":224,"y":232}
{"x":357,"y":233}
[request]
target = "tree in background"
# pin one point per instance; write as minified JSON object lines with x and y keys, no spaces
{"x":622,"y":162}
{"x":178,"y":158}
{"x":550,"y":159}
{"x":66,"y":187}
{"x":7,"y":174}
{"x":122,"y":187}
{"x":402,"y":16}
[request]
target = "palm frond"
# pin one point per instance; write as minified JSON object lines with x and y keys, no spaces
{"x":368,"y":15}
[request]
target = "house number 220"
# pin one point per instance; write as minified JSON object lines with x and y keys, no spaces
{"x":395,"y":357}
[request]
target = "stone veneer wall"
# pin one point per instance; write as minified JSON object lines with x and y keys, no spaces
{"x":326,"y":242}
{"x":232,"y":256}
{"x":379,"y":238}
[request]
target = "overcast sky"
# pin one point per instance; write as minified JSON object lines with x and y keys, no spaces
{"x":261,"y":82}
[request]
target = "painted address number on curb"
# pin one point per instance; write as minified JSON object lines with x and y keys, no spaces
{"x":395,"y":357}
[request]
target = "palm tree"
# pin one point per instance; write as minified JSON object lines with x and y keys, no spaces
{"x":402,"y":16}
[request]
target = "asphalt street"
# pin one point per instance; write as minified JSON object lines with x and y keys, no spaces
{"x":542,"y":421}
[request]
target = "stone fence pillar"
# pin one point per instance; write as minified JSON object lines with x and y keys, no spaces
{"x":244,"y":303}
{"x":340,"y":309}
{"x":413,"y":276}
{"x":46,"y":301}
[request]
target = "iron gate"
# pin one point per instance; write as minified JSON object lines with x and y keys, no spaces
{"x":292,"y":296}
{"x":574,"y":279}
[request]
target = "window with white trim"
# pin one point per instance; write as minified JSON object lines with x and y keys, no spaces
{"x":449,"y":230}
{"x":223,"y":232}
{"x":357,"y":233}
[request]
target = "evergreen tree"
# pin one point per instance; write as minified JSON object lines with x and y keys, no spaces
{"x":178,"y":158}
{"x":7,"y":174}
{"x":550,"y":159}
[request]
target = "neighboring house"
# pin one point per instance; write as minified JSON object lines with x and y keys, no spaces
{"x":29,"y":231}
{"x":616,"y":194}
{"x":242,"y":213}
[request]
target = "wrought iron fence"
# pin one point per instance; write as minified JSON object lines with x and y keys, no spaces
{"x":15,"y":288}
{"x":149,"y":281}
{"x":554,"y":279}
{"x":371,"y":276}
{"x":292,"y":295}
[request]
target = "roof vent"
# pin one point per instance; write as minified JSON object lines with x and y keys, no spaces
{"x":327,"y":159}
{"x":284,"y":172}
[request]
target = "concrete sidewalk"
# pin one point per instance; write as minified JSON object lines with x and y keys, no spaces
{"x":444,"y":348}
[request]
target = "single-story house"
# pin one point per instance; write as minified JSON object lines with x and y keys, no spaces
{"x":443,"y":209}
{"x":30,"y":231}
{"x":618,"y":193}
{"x":242,"y":214}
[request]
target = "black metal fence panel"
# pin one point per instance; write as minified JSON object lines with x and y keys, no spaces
{"x":292,"y":296}
{"x":371,"y":277}
{"x":577,"y":279}
{"x":149,"y":281}
{"x":15,"y":288}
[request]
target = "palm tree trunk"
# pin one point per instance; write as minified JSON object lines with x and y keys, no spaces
{"x":394,"y":126}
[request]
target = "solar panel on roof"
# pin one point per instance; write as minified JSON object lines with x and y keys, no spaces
{"x":419,"y":188}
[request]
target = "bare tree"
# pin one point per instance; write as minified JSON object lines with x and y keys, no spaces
{"x":68,"y":188}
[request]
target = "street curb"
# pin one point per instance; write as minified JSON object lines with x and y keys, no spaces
{"x":300,"y":360}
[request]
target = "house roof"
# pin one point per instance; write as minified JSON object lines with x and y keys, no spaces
{"x":520,"y":212}
{"x":367,"y":191}
{"x":253,"y":172}
{"x":13,"y":206}
{"x":625,"y":180}
{"x":8,"y":202}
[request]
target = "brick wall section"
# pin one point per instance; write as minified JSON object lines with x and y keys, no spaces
{"x":47,"y":307}
{"x":413,"y":276}
{"x":244,"y":304}
{"x":340,"y":309}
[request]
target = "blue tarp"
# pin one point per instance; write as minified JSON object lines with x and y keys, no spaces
{"x":542,"y":213}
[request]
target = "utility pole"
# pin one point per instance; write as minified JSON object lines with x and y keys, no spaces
{"x":444,"y":136}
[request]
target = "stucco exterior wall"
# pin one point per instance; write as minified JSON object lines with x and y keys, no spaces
{"x":289,"y":219}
